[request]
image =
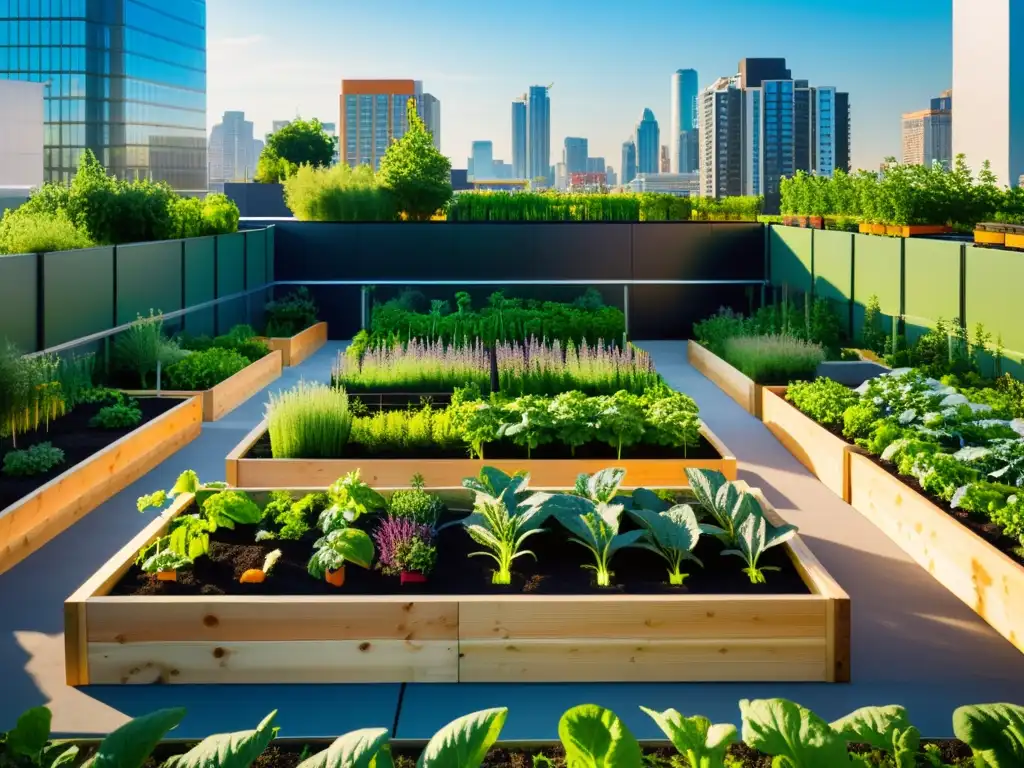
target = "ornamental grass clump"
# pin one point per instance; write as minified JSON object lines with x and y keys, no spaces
{"x":774,"y":359}
{"x":415,"y":366}
{"x":539,"y":368}
{"x":309,"y":421}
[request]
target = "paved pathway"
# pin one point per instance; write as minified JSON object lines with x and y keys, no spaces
{"x":913,"y":643}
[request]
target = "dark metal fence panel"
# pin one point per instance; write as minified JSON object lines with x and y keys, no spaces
{"x":993,"y":298}
{"x":200,"y":257}
{"x":698,"y":250}
{"x":79,"y":293}
{"x":256,"y":274}
{"x":230,"y":279}
{"x":258,"y":200}
{"x":18,"y":300}
{"x":148,"y":278}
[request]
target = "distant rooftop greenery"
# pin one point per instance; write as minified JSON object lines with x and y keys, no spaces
{"x":615,"y":206}
{"x":300,"y":143}
{"x":903,"y":195}
{"x":97,"y":209}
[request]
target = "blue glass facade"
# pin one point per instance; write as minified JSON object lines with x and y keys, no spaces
{"x":519,"y":138}
{"x":778,"y":141}
{"x":648,"y":144}
{"x":124,"y":78}
{"x":538,"y":133}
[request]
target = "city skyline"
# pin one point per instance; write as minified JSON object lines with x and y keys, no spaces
{"x":272,"y":66}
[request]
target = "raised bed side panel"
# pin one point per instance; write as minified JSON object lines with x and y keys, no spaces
{"x":28,"y":524}
{"x":295,"y":349}
{"x":984,"y":578}
{"x":811,"y":444}
{"x":737,"y":386}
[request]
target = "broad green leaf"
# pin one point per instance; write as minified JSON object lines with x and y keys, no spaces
{"x":365,"y":748}
{"x":624,"y":540}
{"x":995,"y":732}
{"x":187,"y":482}
{"x":59,"y":755}
{"x":132,"y":743}
{"x":603,"y":485}
{"x":354,"y":545}
{"x":704,"y":745}
{"x":465,"y":741}
{"x":884,"y":728}
{"x":647,"y":499}
{"x":29,"y":736}
{"x":595,"y":737}
{"x":705,"y":484}
{"x":228,"y":750}
{"x":561,"y":505}
{"x":782,"y":728}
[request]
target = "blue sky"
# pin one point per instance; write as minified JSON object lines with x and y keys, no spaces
{"x":608,"y":60}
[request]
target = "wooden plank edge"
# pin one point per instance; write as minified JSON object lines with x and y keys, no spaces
{"x":706,"y":361}
{"x":227,"y":395}
{"x":76,"y":644}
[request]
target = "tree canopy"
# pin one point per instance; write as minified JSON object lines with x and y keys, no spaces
{"x":301,"y":142}
{"x":416,"y":174}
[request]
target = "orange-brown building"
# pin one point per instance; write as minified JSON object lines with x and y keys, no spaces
{"x":373,"y":112}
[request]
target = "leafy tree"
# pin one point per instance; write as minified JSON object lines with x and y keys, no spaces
{"x":302,"y":142}
{"x":271,"y":169}
{"x":418,"y":176}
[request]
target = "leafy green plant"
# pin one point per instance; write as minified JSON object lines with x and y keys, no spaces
{"x":118,"y":416}
{"x":532,"y":425}
{"x":723,"y":501}
{"x":465,"y":741}
{"x":162,"y":555}
{"x":34,"y":460}
{"x":703,"y":744}
{"x":350,"y":498}
{"x":143,"y":347}
{"x":228,"y":508}
{"x":672,"y":535}
{"x":28,"y":743}
{"x":774,"y":359}
{"x":204,"y":370}
{"x":824,"y":400}
{"x":596,"y":527}
{"x":229,"y":750}
{"x":309,"y":421}
{"x":289,"y":519}
{"x":994,"y":732}
{"x":595,"y":737}
{"x":621,"y":421}
{"x":242,"y":339}
{"x":291,"y":314}
{"x":340,"y":546}
{"x":416,"y":504}
{"x":753,"y":537}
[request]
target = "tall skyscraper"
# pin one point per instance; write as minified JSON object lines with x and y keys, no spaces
{"x":595,"y":165}
{"x":628,"y":160}
{"x":665,"y":160}
{"x":575,"y":155}
{"x":519,"y":137}
{"x":373,"y":112}
{"x":928,"y":133}
{"x":761,"y":125}
{"x":988,"y":80}
{"x":483,"y":160}
{"x":233,"y":151}
{"x":648,"y":144}
{"x":124,"y":78}
{"x":538,"y":133}
{"x":431,"y":114}
{"x":684,"y":122}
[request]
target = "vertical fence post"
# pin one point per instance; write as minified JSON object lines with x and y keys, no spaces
{"x":362,"y":307}
{"x":40,"y":302}
{"x":902,"y":329}
{"x":625,"y":306}
{"x":245,"y":277}
{"x":183,"y":304}
{"x":113,"y":316}
{"x":216,"y":284}
{"x":853,"y":290}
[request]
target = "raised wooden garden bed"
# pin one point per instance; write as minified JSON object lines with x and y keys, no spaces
{"x":984,"y":578}
{"x":246,"y":472}
{"x":28,"y":524}
{"x":739,"y":387}
{"x":230,"y":393}
{"x":822,"y":452}
{"x":455,"y":638}
{"x":295,"y":349}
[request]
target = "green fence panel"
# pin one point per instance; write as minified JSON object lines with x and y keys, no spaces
{"x":833,"y":263}
{"x":148,"y":278}
{"x":789,"y":253}
{"x":270,"y":254}
{"x":876,"y":273}
{"x":78,"y":289}
{"x":256,"y":273}
{"x":18,"y":300}
{"x":932,"y":290}
{"x":200,"y":255}
{"x":993,"y":297}
{"x":230,"y":279}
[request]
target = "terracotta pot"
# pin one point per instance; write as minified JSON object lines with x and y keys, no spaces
{"x":335,"y":578}
{"x":166,"y":575}
{"x":413,"y":577}
{"x":817,"y":222}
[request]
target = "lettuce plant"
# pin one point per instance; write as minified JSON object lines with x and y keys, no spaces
{"x":994,"y":732}
{"x":595,"y":737}
{"x":532,"y":425}
{"x":340,"y":546}
{"x":702,"y":744}
{"x":228,"y":750}
{"x":350,"y":498}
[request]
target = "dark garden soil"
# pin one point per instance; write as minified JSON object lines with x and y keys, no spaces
{"x":508,"y":450}
{"x":73,"y":435}
{"x":289,"y":753}
{"x":398,"y":401}
{"x":558,"y":570}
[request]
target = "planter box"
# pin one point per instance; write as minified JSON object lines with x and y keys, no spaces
{"x":865,"y":229}
{"x":444,"y":473}
{"x":1014,"y":240}
{"x":31,"y":522}
{"x":295,"y":349}
{"x":736,"y":385}
{"x":826,"y":455}
{"x":230,"y":393}
{"x":984,"y":578}
{"x":989,"y":237}
{"x":459,"y":638}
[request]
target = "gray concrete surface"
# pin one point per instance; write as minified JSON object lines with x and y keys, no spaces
{"x":913,"y":643}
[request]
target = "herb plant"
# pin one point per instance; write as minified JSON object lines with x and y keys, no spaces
{"x":416,"y":504}
{"x":118,"y":416}
{"x":143,"y":346}
{"x":309,"y":421}
{"x":340,"y":546}
{"x":34,"y":460}
{"x":291,"y":314}
{"x":350,"y":498}
{"x":404,"y":545}
{"x":204,"y":370}
{"x":824,"y":400}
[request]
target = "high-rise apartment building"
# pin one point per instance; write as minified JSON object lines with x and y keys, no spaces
{"x":648,"y":144}
{"x":988,"y":80}
{"x":373,"y":112}
{"x":431,"y":114}
{"x":684,"y":122}
{"x":519,"y":137}
{"x":124,"y":78}
{"x":665,"y":161}
{"x":233,"y":151}
{"x":928,"y":133}
{"x":610,"y":175}
{"x":575,"y":154}
{"x":760,"y":126}
{"x":538,"y":133}
{"x":482,"y":158}
{"x":628,"y":160}
{"x":595,"y":165}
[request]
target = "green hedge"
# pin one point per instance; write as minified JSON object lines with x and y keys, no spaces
{"x":558,"y":206}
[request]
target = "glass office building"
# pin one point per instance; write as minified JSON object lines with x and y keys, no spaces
{"x":124,"y":78}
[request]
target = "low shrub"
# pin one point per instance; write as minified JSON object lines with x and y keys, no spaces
{"x":775,"y":359}
{"x":416,"y":504}
{"x":204,"y":370}
{"x":40,"y":233}
{"x":338,"y":193}
{"x":291,"y":314}
{"x":242,"y":339}
{"x":118,"y":416}
{"x":142,"y":347}
{"x":824,"y":400}
{"x":35,"y":460}
{"x":309,"y":421}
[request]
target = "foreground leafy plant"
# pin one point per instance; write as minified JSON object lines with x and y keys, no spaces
{"x":465,"y":741}
{"x":995,"y":732}
{"x":35,"y":460}
{"x":595,"y":737}
{"x":702,"y":744}
{"x":672,"y":535}
{"x":755,"y":536}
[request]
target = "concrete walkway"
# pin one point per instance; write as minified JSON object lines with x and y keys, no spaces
{"x":913,"y":643}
